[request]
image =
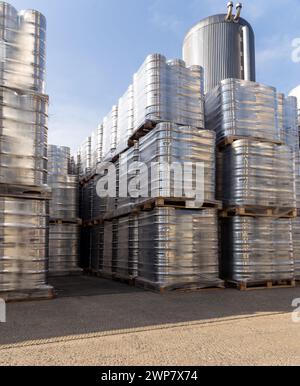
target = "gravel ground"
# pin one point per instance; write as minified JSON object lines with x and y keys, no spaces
{"x":96,"y":322}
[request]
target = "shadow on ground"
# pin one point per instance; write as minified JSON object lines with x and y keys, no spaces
{"x":89,"y":305}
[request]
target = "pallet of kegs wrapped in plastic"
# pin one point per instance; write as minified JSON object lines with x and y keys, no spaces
{"x":23,"y":42}
{"x":110,"y":133}
{"x":127,"y":256}
{"x":257,"y":250}
{"x":85,"y":158}
{"x":64,"y":203}
{"x":161,"y":91}
{"x":178,"y":249}
{"x":96,"y":147}
{"x":64,"y":249}
{"x":170,"y":145}
{"x":257,"y":174}
{"x":64,"y":213}
{"x":95,"y":264}
{"x":24,"y":249}
{"x":125,"y":120}
{"x":290,"y":129}
{"x":168,"y":91}
{"x":24,"y":133}
{"x":128,"y":163}
{"x":110,"y":242}
{"x":24,"y":193}
{"x":239,"y":108}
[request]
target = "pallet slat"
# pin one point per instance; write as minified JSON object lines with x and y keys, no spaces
{"x":43,"y":293}
{"x":65,"y":221}
{"x":260,"y":285}
{"x":28,"y":192}
{"x":227,"y":141}
{"x":178,"y":203}
{"x":184,"y":287}
{"x":252,"y":211}
{"x":143,"y":130}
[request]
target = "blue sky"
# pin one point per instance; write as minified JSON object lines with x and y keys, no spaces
{"x":94,"y":47}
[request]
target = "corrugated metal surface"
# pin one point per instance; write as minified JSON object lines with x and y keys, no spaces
{"x":217,"y":46}
{"x":257,"y":249}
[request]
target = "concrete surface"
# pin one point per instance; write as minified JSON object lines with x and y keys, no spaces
{"x":97,"y":322}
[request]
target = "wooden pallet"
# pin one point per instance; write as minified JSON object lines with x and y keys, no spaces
{"x":177,"y":203}
{"x":143,"y":130}
{"x":185,"y":287}
{"x":65,"y":221}
{"x":86,"y":179}
{"x":94,"y":222}
{"x":261,"y":285}
{"x":67,"y":273}
{"x":43,"y":293}
{"x":227,"y":141}
{"x":27,"y":192}
{"x":129,"y":280}
{"x":252,"y":211}
{"x":119,"y":213}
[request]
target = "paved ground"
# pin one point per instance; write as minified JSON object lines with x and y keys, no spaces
{"x":96,"y":322}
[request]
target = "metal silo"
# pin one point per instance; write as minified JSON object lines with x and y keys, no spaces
{"x":224,"y":45}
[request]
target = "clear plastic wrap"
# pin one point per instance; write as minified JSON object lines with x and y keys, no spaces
{"x":125,"y":120}
{"x":97,"y":240}
{"x":127,"y":160}
{"x":86,"y":199}
{"x":178,"y":247}
{"x":290,"y":129}
{"x":97,"y":147}
{"x":257,"y":249}
{"x":110,"y":133}
{"x":24,"y":136}
{"x":23,"y":47}
{"x":168,"y":91}
{"x":63,"y":248}
{"x":296,"y":244}
{"x":85,"y":158}
{"x":127,"y":247}
{"x":257,"y":174}
{"x":297,"y":177}
{"x":64,"y":203}
{"x":242,"y":108}
{"x":23,"y":247}
{"x":110,"y":247}
{"x":169,"y":143}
